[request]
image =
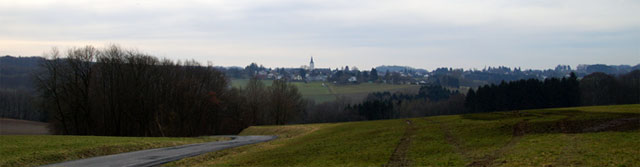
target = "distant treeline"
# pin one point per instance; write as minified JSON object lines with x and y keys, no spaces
{"x":17,"y":72}
{"x":593,"y":89}
{"x":603,"y":89}
{"x":119,"y":92}
{"x":430,"y":100}
{"x":387,"y":105}
{"x":525,"y":94}
{"x":20,"y":104}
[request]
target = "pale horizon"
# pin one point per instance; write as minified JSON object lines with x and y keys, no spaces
{"x":364,"y":34}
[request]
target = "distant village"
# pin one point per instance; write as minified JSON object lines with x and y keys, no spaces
{"x":407,"y":75}
{"x":450,"y":77}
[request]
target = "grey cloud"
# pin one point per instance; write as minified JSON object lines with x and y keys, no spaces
{"x":428,"y":33}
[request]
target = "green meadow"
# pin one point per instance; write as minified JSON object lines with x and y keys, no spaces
{"x":329,"y":92}
{"x":582,"y":136}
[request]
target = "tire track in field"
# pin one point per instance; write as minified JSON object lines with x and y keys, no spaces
{"x":519,"y":130}
{"x":399,"y":156}
{"x":451,"y":140}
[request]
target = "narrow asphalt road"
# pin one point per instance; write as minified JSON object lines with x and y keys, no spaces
{"x":159,"y":156}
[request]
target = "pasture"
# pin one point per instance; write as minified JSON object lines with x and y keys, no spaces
{"x":581,"y":136}
{"x":329,"y":92}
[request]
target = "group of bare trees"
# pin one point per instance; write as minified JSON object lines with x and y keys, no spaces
{"x":120,"y":92}
{"x":278,"y":104}
{"x":18,"y":104}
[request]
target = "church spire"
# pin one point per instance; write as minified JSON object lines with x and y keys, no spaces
{"x":311,"y":64}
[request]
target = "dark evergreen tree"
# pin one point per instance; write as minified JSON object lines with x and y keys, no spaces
{"x":525,"y":94}
{"x":374,"y":75}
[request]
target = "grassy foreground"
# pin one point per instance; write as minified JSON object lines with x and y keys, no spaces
{"x":582,"y":136}
{"x":47,"y":149}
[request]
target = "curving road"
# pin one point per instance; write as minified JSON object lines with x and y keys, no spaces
{"x":153,"y":157}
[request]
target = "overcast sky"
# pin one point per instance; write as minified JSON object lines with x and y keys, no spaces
{"x":363,"y":33}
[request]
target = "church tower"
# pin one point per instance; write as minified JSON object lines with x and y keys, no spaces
{"x":311,"y":65}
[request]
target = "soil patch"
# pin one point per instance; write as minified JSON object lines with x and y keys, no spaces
{"x":22,"y":127}
{"x":622,"y":124}
{"x":586,"y":126}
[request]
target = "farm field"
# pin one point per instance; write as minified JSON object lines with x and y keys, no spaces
{"x":22,"y":127}
{"x":581,"y":136}
{"x":319,"y":93}
{"x":34,"y":150}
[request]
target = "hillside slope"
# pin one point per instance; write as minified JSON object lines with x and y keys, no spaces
{"x":22,"y":127}
{"x":583,"y":136}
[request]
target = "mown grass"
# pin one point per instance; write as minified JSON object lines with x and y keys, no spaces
{"x":47,"y":149}
{"x":545,"y":137}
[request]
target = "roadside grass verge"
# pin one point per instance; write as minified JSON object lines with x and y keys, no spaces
{"x":369,"y":143}
{"x":47,"y":149}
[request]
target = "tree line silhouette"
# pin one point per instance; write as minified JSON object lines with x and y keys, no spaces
{"x":430,"y":100}
{"x":593,"y":89}
{"x":120,"y":92}
{"x":525,"y":94}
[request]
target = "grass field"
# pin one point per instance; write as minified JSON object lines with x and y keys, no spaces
{"x":319,"y":93}
{"x":36,"y":150}
{"x":583,"y":136}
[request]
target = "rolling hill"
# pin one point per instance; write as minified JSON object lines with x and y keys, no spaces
{"x":582,"y":136}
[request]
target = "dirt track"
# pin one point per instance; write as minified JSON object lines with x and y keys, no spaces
{"x":399,"y":156}
{"x":22,"y":127}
